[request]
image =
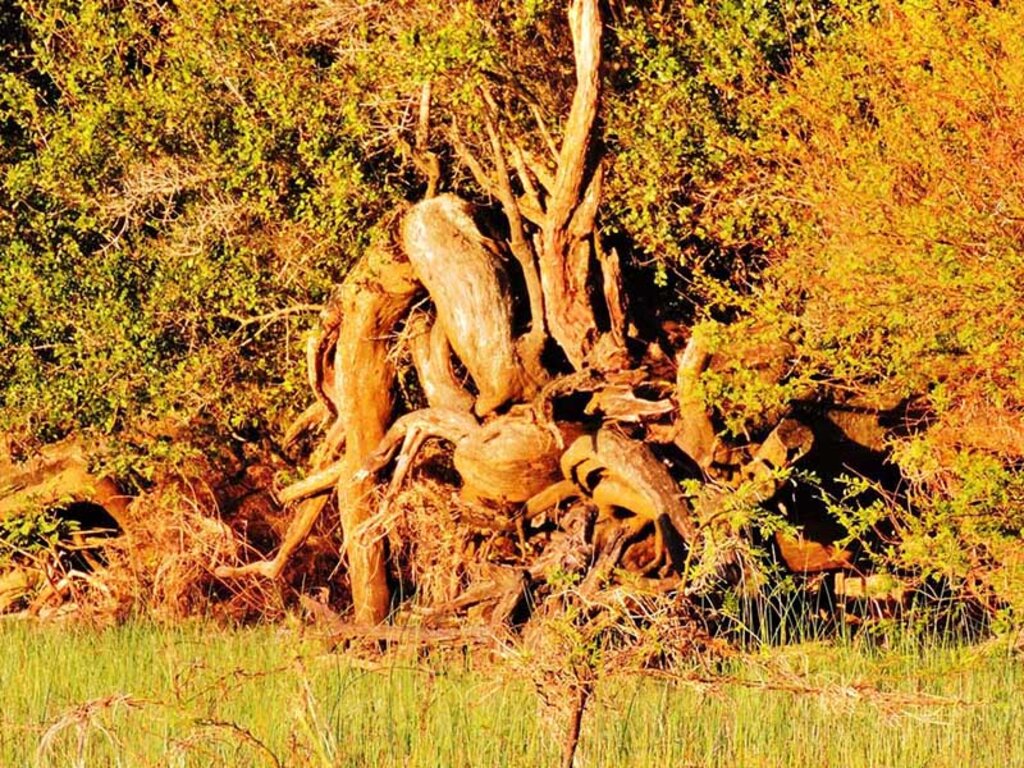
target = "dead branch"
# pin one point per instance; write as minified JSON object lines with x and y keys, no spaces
{"x":563,"y":260}
{"x":56,"y":476}
{"x":696,"y":435}
{"x":312,"y":485}
{"x":446,"y":424}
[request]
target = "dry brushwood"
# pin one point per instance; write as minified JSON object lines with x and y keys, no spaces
{"x":556,"y":431}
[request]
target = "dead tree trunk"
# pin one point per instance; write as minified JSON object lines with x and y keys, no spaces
{"x":463,"y":272}
{"x":569,"y":222}
{"x":372,"y":302}
{"x":570,"y":487}
{"x":361,"y":320}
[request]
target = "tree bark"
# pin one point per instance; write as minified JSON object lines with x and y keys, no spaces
{"x":432,"y":358}
{"x":508,"y":460}
{"x":564,"y":257}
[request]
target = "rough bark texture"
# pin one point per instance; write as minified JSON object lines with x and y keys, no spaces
{"x":432,"y":358}
{"x":373,"y":300}
{"x":565,"y":253}
{"x":454,"y":436}
{"x":362,"y":317}
{"x":508,"y":460}
{"x":696,"y":434}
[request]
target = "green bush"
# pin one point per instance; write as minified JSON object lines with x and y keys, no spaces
{"x":901,"y":146}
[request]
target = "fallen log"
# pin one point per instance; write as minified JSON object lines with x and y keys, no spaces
{"x":624,"y":475}
{"x":59,"y":476}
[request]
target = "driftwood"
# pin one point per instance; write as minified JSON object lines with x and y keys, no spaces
{"x":509,"y":460}
{"x":623,"y":474}
{"x":58,"y":479}
{"x":696,"y":434}
{"x":372,"y":301}
{"x":464,"y":273}
{"x":432,"y":358}
{"x":557,"y":463}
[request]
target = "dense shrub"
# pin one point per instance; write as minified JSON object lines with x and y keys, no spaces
{"x":178,"y":178}
{"x":901,"y":146}
{"x":183,"y":183}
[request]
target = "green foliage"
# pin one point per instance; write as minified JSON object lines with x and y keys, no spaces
{"x":32,"y":533}
{"x":910,"y":277}
{"x":684,"y":119}
{"x":171,"y":174}
{"x":833,"y":186}
{"x":900,"y":145}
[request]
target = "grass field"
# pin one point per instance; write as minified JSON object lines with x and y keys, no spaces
{"x":194,"y":695}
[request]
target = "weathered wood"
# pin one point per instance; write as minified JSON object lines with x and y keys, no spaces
{"x":432,"y":358}
{"x":313,"y":484}
{"x":444,"y":423}
{"x":614,"y":296}
{"x":532,"y":344}
{"x":785,"y":445}
{"x":59,"y":475}
{"x":762,"y":476}
{"x":374,"y":299}
{"x":565,"y":253}
{"x":807,"y":556}
{"x":620,"y":473}
{"x":618,"y":402}
{"x":366,"y":309}
{"x":550,"y":497}
{"x":17,"y":583}
{"x":315,"y":414}
{"x":696,"y":434}
{"x":463,"y":271}
{"x":509,"y":459}
{"x":320,"y":357}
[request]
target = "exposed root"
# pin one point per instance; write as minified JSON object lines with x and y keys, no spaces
{"x":547,"y":470}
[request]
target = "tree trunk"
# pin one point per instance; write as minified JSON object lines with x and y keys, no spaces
{"x":465,"y":276}
{"x":374,"y":298}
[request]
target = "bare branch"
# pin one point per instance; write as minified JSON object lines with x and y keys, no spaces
{"x":611,"y":285}
{"x":564,"y":258}
{"x":532,"y":202}
{"x":423,"y":126}
{"x":696,"y":436}
{"x":549,"y":141}
{"x":430,"y":422}
{"x":316,"y":483}
{"x":424,"y":159}
{"x":313,"y":415}
{"x":274,"y":315}
{"x":530,"y":205}
{"x":585,"y":24}
{"x":520,"y":246}
{"x":485,"y":181}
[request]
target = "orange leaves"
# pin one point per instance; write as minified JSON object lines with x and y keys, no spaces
{"x":913,"y":169}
